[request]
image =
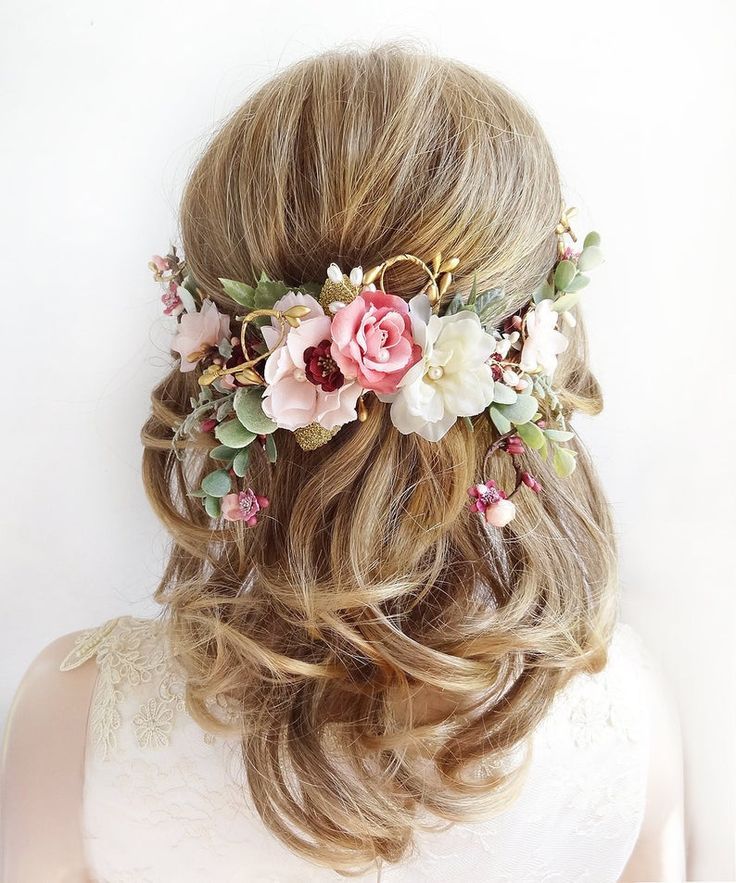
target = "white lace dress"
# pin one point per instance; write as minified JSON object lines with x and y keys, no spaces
{"x":165,"y":803}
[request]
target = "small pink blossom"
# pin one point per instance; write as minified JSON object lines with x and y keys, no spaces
{"x":172,"y":302}
{"x":243,"y":506}
{"x":198,"y":333}
{"x":491,"y":502}
{"x":372,"y":340}
{"x":543,"y":342}
{"x":531,"y":482}
{"x":570,"y":254}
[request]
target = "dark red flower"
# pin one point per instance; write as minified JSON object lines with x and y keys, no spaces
{"x":321,"y":369}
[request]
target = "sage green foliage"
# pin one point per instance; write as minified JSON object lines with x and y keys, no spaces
{"x":233,"y":434}
{"x":248,"y":405}
{"x":217,"y":483}
{"x":212,"y":506}
{"x":240,"y":462}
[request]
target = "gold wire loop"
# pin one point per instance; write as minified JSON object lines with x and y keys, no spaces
{"x":439,"y":275}
{"x":291,"y":317}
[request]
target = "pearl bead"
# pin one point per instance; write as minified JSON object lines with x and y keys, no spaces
{"x":300,"y":375}
{"x":383,"y":355}
{"x":436,"y":372}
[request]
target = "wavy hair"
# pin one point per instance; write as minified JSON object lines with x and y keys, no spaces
{"x":384,"y":656}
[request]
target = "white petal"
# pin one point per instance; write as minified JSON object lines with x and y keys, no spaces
{"x":334,"y":273}
{"x":356,"y":275}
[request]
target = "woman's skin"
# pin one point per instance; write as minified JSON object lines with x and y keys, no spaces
{"x":43,"y":777}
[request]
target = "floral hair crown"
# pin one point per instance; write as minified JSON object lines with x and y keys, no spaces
{"x":304,"y":359}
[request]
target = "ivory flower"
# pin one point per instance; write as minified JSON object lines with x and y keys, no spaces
{"x":452,"y":377}
{"x":199,"y":332}
{"x":543,"y":342}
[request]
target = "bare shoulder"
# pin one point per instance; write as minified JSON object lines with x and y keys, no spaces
{"x":43,"y":767}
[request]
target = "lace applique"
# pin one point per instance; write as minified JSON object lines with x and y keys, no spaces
{"x":130,"y":652}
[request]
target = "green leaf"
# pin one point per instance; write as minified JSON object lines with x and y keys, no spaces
{"x":590,"y":258}
{"x":578,"y":283}
{"x":545,"y":291}
{"x":486,"y":303}
{"x":313,"y":288}
{"x":469,"y":424}
{"x":563,"y":462}
{"x":566,"y":301}
{"x":592,"y":238}
{"x":240,"y":463}
{"x":249,"y":408}
{"x":559,"y":435}
{"x":564,"y":274}
{"x":200,"y":494}
{"x":531,"y":435}
{"x":502,"y":423}
{"x":239,"y":292}
{"x":504,"y":395}
{"x":234,"y":434}
{"x":522,"y":410}
{"x":268,"y":292}
{"x":223,"y":452}
{"x":473,"y":291}
{"x":212,"y":506}
{"x":271,"y":452}
{"x":217,"y":483}
{"x":455,"y":305}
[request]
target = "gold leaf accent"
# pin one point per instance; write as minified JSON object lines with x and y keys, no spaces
{"x":449,"y":265}
{"x":209,"y":375}
{"x":445,"y":282}
{"x":436,"y":263}
{"x":313,"y":436}
{"x":371,"y":275}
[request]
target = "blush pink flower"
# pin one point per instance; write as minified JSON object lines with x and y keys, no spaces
{"x":199,"y":332}
{"x":372,"y":340}
{"x":291,"y":400}
{"x":491,"y":503}
{"x":243,"y":506}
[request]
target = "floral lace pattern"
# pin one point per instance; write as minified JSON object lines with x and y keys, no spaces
{"x":162,"y":803}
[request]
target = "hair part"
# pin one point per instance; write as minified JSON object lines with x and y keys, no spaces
{"x":384,"y":653}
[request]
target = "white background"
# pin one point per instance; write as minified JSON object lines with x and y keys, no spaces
{"x":103,"y":109}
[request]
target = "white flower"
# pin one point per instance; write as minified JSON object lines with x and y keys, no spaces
{"x":506,"y":342}
{"x":452,"y":379}
{"x":543,"y":342}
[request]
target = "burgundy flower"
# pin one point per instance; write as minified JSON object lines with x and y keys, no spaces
{"x":321,"y":369}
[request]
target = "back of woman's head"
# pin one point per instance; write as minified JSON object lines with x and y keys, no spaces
{"x":384,"y":651}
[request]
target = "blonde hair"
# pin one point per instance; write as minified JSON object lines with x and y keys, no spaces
{"x":384,"y":654}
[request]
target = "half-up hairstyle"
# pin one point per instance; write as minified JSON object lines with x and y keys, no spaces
{"x":385,"y":654}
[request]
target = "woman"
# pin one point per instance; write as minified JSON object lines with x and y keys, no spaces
{"x":388,"y":643}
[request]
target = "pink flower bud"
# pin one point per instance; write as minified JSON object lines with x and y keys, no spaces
{"x":208,"y":425}
{"x":531,"y":482}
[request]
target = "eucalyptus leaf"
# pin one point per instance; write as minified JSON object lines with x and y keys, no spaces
{"x":521,"y":411}
{"x":240,"y":463}
{"x":563,"y":462}
{"x":217,"y":483}
{"x":239,"y":292}
{"x":223,"y":452}
{"x":564,"y":274}
{"x":249,"y":408}
{"x":578,"y":283}
{"x":212,"y":506}
{"x":592,"y":238}
{"x":503,"y":394}
{"x":559,"y":435}
{"x":531,"y":435}
{"x":590,"y":258}
{"x":234,"y":434}
{"x":545,"y":291}
{"x":225,"y":348}
{"x":224,"y":409}
{"x":566,"y":301}
{"x":486,"y":303}
{"x":502,"y":423}
{"x":271,"y":452}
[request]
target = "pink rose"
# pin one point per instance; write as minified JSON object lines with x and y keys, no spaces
{"x":372,"y":340}
{"x":291,"y":399}
{"x":198,"y":332}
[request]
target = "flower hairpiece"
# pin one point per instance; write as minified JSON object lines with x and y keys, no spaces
{"x":305,"y":359}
